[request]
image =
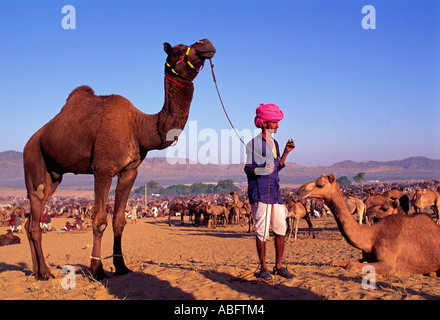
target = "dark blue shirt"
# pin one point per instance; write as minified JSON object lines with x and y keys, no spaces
{"x":263,"y":188}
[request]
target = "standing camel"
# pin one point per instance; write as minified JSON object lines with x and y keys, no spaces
{"x":355,"y":206}
{"x":177,"y":208}
{"x":216,"y":211}
{"x":397,"y":243}
{"x":106,"y":136}
{"x":297,"y":210}
{"x":425,"y":198}
{"x":240,"y":209}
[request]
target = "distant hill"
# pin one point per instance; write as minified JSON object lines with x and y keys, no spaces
{"x":158,"y":169}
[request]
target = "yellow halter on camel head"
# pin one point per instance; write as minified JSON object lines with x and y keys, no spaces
{"x":184,"y":59}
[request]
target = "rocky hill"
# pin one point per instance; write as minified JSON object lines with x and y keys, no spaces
{"x":158,"y":169}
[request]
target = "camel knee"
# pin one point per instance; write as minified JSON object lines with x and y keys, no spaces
{"x":99,"y":228}
{"x":39,"y":192}
{"x":34,"y":234}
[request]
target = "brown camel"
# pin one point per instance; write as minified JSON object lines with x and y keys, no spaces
{"x":378,"y":199}
{"x":377,"y":212}
{"x":297,"y":210}
{"x":379,"y":206}
{"x":397,"y":243}
{"x":355,"y":206}
{"x":216,"y":211}
{"x":426,"y":198}
{"x":177,"y":208}
{"x":390,"y":202}
{"x":239,"y":209}
{"x":106,"y":136}
{"x":8,"y":239}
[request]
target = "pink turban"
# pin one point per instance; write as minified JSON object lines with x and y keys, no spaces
{"x":267,"y":112}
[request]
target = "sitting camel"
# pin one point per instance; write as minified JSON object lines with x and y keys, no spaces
{"x":396,"y":194}
{"x":379,"y":206}
{"x":8,"y":239}
{"x":397,"y":243}
{"x":425,"y":198}
{"x":297,"y":210}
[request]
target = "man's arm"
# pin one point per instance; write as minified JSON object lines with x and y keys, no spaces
{"x":290,"y":145}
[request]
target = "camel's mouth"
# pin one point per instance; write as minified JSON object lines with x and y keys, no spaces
{"x":206,"y":54}
{"x":204,"y":48}
{"x":303,"y":193}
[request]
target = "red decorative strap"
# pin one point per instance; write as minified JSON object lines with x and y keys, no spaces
{"x":172,"y":80}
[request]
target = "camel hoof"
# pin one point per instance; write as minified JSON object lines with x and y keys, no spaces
{"x":44,"y":276}
{"x":97,"y":270}
{"x":122,"y":271}
{"x":100,"y":275}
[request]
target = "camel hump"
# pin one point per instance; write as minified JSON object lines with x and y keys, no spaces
{"x":82,"y":90}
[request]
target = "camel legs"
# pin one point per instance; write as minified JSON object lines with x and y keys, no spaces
{"x":169,"y":217}
{"x":385,"y":266}
{"x":382,"y":267}
{"x":296,"y":226}
{"x":103,"y":182}
{"x":309,"y":222}
{"x":40,"y":188}
{"x":436,"y":209}
{"x":123,"y":188}
{"x":34,"y":234}
{"x":289,"y":222}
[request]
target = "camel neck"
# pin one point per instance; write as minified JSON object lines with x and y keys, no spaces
{"x":159,"y":130}
{"x":174,"y":114}
{"x":358,"y":236}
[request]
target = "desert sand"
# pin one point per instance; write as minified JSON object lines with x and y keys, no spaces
{"x":199,"y":263}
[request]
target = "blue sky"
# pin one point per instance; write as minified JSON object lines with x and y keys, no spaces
{"x":347,"y":93}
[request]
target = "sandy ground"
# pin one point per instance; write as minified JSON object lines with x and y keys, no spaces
{"x":189,"y":263}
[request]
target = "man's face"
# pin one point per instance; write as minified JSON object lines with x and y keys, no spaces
{"x":272,"y":126}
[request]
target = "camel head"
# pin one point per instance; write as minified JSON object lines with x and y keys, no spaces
{"x":185,"y":62}
{"x":385,"y":209}
{"x":323,"y":188}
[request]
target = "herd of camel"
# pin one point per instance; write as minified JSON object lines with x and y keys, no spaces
{"x":368,"y":210}
{"x":361,"y":215}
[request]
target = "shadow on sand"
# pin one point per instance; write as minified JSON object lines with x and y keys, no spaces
{"x":259,"y":289}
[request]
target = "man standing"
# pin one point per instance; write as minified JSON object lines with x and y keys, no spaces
{"x":262,"y":170}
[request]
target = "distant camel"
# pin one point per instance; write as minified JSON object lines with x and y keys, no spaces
{"x":106,"y":136}
{"x":297,"y":210}
{"x":382,"y":210}
{"x":426,"y":198}
{"x":396,"y":194}
{"x":8,"y":239}
{"x":216,"y":211}
{"x":390,"y":202}
{"x":177,"y":208}
{"x":397,"y":243}
{"x":355,"y":206}
{"x":239,"y":209}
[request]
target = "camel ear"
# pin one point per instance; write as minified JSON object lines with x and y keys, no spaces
{"x":332,"y":177}
{"x":167,"y":47}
